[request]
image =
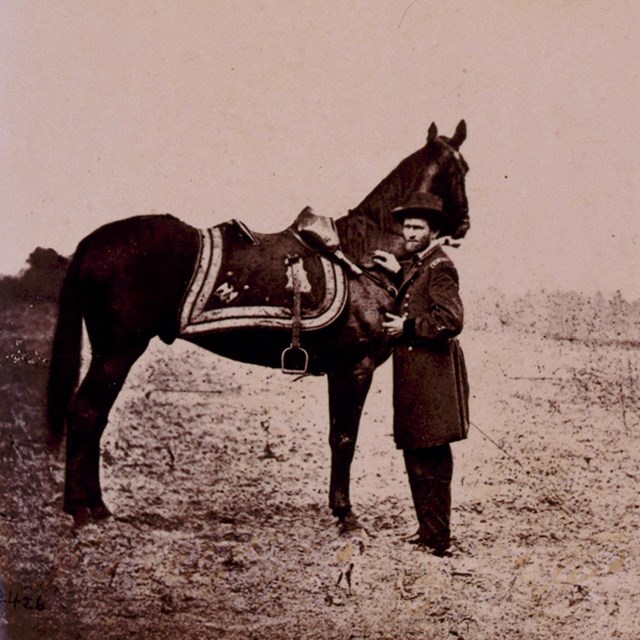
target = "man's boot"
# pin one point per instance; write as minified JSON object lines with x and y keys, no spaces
{"x":430,"y":471}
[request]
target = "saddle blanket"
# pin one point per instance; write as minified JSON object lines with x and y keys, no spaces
{"x":243,"y":280}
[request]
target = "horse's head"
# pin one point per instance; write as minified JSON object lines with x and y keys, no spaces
{"x":438,"y":168}
{"x":444,"y":175}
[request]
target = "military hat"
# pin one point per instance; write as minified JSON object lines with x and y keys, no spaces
{"x":420,"y":205}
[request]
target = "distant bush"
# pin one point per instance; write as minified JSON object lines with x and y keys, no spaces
{"x":566,"y":315}
{"x":39,"y":281}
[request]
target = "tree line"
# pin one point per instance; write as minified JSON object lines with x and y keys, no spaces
{"x":40,"y":281}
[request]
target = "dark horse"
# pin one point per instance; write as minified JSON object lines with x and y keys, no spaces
{"x":127,"y":280}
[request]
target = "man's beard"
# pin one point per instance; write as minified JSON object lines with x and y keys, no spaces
{"x":416,"y":246}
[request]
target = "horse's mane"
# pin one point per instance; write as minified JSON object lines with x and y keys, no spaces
{"x":391,"y":190}
{"x":370,"y":225}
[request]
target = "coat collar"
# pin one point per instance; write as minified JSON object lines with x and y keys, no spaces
{"x":425,"y":253}
{"x":413,"y":266}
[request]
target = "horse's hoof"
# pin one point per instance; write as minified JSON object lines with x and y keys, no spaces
{"x":81,"y":516}
{"x":101,"y":512}
{"x":350,"y":523}
{"x":341,"y":512}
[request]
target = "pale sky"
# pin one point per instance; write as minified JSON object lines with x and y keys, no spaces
{"x":213,"y":109}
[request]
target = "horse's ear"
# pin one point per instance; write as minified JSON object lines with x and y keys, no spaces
{"x":433,"y":132}
{"x":460,"y":135}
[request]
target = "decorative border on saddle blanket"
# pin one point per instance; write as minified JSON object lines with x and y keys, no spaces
{"x":195,"y":320}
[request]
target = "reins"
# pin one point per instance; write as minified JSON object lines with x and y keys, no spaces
{"x":355,"y":269}
{"x":389,"y":288}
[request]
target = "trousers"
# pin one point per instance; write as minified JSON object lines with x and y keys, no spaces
{"x":430,"y":472}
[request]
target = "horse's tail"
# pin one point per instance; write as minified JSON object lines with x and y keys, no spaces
{"x":64,"y":367}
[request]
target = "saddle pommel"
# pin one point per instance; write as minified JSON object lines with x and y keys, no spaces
{"x":320,"y":233}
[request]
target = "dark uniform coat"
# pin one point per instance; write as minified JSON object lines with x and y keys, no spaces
{"x":430,"y":381}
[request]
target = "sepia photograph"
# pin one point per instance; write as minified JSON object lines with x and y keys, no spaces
{"x":319,"y":320}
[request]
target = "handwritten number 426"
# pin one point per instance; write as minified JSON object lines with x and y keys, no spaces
{"x":26,"y":602}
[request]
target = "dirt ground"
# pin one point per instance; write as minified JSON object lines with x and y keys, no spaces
{"x":217,"y":474}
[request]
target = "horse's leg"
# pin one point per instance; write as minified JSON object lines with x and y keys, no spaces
{"x":348,"y":388}
{"x":86,"y":423}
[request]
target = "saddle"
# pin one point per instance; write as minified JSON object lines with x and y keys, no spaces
{"x":290,"y":280}
{"x":320,"y":233}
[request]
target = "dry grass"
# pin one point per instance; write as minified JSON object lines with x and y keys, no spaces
{"x":217,"y":473}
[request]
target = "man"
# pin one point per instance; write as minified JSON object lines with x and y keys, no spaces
{"x":430,"y":395}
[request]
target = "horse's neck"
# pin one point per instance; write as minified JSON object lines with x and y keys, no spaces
{"x":359,"y":237}
{"x":370,"y":225}
{"x":391,"y":192}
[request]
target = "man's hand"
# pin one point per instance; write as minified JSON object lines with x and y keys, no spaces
{"x":393,"y":324}
{"x":386,"y":260}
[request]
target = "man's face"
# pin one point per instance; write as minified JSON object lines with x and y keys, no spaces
{"x":417,"y":234}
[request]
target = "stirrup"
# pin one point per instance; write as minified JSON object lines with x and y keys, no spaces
{"x":294,"y":360}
